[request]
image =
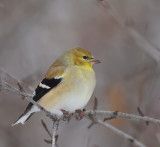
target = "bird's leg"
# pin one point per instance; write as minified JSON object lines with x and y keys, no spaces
{"x":80,"y":114}
{"x":66,"y":115}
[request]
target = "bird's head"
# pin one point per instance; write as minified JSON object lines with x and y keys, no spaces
{"x":77,"y":56}
{"x":81,"y":57}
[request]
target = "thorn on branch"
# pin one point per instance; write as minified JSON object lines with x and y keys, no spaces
{"x":21,"y":89}
{"x":115,"y":113}
{"x":46,"y":128}
{"x":142,"y":114}
{"x":48,"y":141}
{"x":91,"y":124}
{"x":84,"y":110}
{"x":56,"y":137}
{"x":131,"y":140}
{"x":95,"y":104}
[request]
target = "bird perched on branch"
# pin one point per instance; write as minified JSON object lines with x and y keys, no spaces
{"x":67,"y":86}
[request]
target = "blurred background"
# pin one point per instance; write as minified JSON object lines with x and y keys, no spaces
{"x":33,"y":33}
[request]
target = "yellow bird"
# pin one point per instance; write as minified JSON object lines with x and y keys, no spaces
{"x":67,"y":86}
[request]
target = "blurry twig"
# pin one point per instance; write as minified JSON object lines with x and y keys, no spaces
{"x":91,"y":116}
{"x":21,"y":89}
{"x":116,"y":114}
{"x":112,"y":128}
{"x":55,"y":136}
{"x":142,"y":114}
{"x":147,"y":46}
{"x":47,"y":130}
{"x":117,"y":131}
{"x":45,"y":127}
{"x":121,"y":133}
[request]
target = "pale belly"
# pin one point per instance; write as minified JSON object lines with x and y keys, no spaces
{"x":74,"y":94}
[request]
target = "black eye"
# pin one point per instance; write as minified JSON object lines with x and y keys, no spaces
{"x":85,"y":57}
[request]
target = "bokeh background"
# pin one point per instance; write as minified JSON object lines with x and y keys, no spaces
{"x":33,"y":33}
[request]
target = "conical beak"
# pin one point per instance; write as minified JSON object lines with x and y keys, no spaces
{"x":94,"y":61}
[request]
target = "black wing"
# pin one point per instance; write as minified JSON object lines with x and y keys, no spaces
{"x":40,"y":91}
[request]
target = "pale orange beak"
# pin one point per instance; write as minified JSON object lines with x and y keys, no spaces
{"x":94,"y":61}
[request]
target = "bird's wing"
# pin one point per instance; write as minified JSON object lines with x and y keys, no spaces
{"x":53,"y":78}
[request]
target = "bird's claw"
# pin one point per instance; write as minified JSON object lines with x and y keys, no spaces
{"x":66,"y":115}
{"x":80,"y":114}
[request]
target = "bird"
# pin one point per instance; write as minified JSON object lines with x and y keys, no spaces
{"x":67,"y":85}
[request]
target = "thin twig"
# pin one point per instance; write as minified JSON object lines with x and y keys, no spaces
{"x":112,"y":114}
{"x":45,"y":127}
{"x":54,"y":136}
{"x":121,"y":133}
{"x":91,"y":124}
{"x":115,"y":130}
{"x":147,"y":46}
{"x":142,"y":114}
{"x":95,"y":104}
{"x":21,"y":89}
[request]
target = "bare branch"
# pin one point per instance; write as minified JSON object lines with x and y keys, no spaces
{"x":141,"y":114}
{"x":115,"y":130}
{"x":147,"y":46}
{"x":116,"y":114}
{"x":45,"y":127}
{"x":121,"y":133}
{"x":55,"y":136}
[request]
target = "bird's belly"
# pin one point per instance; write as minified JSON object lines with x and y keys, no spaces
{"x":77,"y":96}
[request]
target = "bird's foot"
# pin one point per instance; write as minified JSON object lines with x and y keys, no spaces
{"x":80,"y":114}
{"x":66,"y":115}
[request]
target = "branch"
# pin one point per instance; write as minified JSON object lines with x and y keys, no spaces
{"x":55,"y":136}
{"x":115,"y":130}
{"x":48,"y":132}
{"x":116,"y":114}
{"x":147,"y":46}
{"x":121,"y":133}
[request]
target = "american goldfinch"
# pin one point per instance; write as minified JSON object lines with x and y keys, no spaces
{"x":68,"y":84}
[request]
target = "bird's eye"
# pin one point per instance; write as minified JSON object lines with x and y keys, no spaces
{"x":85,"y":57}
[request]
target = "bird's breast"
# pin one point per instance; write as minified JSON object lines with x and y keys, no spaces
{"x":83,"y":80}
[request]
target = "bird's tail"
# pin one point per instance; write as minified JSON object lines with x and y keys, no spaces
{"x":26,"y":115}
{"x":23,"y":118}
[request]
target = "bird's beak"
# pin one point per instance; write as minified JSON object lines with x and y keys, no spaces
{"x":94,"y":61}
